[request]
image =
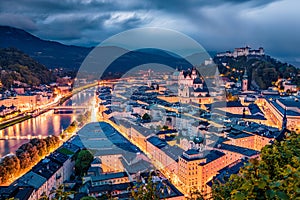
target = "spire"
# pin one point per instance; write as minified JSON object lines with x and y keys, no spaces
{"x":284,"y":120}
{"x":245,"y":76}
{"x":245,"y":81}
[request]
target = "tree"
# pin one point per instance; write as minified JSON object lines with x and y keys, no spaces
{"x":61,"y":194}
{"x":196,"y":195}
{"x":88,"y":198}
{"x":145,"y":191}
{"x":72,"y":127}
{"x":26,"y":156}
{"x":3,"y":174}
{"x":275,"y":176}
{"x":83,"y":162}
{"x":146,"y":117}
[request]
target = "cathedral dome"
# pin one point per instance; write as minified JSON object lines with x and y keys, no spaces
{"x":197,"y":81}
{"x":198,"y":140}
{"x":176,"y":73}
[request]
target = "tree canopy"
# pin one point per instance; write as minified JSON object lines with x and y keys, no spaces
{"x":26,"y":156}
{"x":275,"y":176}
{"x":261,"y":71}
{"x":83,"y":162}
{"x":17,"y":66}
{"x":146,"y":117}
{"x":146,"y":191}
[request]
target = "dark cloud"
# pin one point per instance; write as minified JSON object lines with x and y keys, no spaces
{"x":18,"y":21}
{"x":217,"y":25}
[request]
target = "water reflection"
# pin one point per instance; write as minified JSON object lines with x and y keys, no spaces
{"x":45,"y":124}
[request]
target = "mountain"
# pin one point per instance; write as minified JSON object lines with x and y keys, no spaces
{"x":132,"y":59}
{"x":49,"y":53}
{"x":17,"y":66}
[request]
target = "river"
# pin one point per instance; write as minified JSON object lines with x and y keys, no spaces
{"x":44,"y":124}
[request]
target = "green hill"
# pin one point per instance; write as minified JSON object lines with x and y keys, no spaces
{"x":50,"y":53}
{"x":262,"y":71}
{"x":15,"y":65}
{"x":276,"y":175}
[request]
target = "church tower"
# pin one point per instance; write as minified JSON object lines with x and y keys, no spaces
{"x":284,"y":120}
{"x":245,"y":81}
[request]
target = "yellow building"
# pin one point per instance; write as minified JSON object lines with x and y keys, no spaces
{"x":196,"y":168}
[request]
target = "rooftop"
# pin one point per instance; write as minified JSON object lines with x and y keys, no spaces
{"x":58,"y":157}
{"x":237,"y":149}
{"x":173,"y":151}
{"x":205,"y":154}
{"x":156,"y":141}
{"x":46,"y":168}
{"x":108,"y":176}
{"x":24,"y":193}
{"x":136,"y":167}
{"x":142,"y":130}
{"x":31,"y":179}
{"x":110,"y":188}
{"x":224,"y":174}
{"x":238,"y":134}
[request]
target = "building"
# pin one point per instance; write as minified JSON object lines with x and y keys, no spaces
{"x":107,"y":178}
{"x":196,"y":167}
{"x":245,"y":81}
{"x":243,"y":51}
{"x":52,"y":172}
{"x":38,"y":182}
{"x":7,"y":110}
{"x":164,"y":156}
{"x":192,"y":88}
{"x":281,"y":108}
{"x":118,"y":190}
{"x":67,"y":163}
{"x":289,"y":87}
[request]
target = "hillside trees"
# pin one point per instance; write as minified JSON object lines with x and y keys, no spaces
{"x":275,"y":176}
{"x":263,"y":71}
{"x":17,"y":66}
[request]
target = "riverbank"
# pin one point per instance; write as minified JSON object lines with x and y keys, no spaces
{"x":10,"y":177}
{"x":76,"y":91}
{"x":19,"y":119}
{"x":14,"y":121}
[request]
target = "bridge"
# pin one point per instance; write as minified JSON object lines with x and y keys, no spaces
{"x":21,"y":137}
{"x":69,"y":109}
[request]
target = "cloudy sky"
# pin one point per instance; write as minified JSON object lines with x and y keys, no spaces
{"x":218,"y":25}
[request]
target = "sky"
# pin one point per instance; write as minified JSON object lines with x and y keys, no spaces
{"x":218,"y":25}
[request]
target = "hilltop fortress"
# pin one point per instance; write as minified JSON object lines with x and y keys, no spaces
{"x":243,"y":51}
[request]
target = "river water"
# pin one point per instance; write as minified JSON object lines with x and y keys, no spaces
{"x":44,"y":125}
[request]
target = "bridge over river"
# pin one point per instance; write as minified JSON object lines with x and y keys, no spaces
{"x":69,"y":109}
{"x":21,"y":137}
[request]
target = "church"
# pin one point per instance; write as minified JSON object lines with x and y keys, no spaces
{"x":192,"y":88}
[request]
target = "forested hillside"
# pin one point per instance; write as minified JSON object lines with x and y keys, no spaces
{"x":15,"y":65}
{"x":275,"y":176}
{"x":262,"y":71}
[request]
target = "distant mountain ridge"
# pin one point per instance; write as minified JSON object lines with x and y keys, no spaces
{"x":55,"y":55}
{"x":49,"y":53}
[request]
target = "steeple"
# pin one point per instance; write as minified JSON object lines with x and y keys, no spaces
{"x":245,"y":81}
{"x":284,"y":120}
{"x":217,"y":78}
{"x":245,"y":76}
